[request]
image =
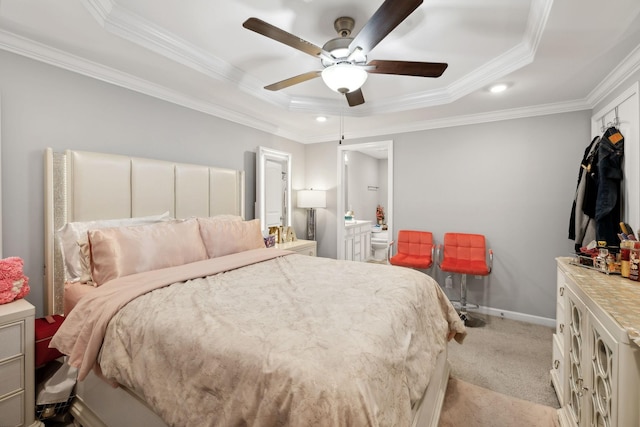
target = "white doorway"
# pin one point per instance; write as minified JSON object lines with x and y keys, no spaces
{"x":382,"y":150}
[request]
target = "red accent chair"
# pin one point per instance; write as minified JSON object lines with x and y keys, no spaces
{"x":415,"y":249}
{"x":464,"y":254}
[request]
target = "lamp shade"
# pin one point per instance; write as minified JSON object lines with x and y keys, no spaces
{"x":312,"y":199}
{"x":344,"y":77}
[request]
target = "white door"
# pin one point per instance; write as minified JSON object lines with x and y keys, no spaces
{"x":274,"y":193}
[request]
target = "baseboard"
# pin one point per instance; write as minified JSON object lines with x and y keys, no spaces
{"x":513,"y":315}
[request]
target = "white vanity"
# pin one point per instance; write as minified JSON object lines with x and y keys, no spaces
{"x":357,"y":240}
{"x":596,"y":357}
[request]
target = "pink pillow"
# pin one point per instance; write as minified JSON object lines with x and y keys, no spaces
{"x":122,"y":251}
{"x":224,"y":237}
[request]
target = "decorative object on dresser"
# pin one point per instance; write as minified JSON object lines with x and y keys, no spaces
{"x":596,"y":354}
{"x":13,"y":283}
{"x":311,"y":200}
{"x":17,"y":401}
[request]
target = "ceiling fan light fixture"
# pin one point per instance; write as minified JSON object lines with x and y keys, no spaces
{"x":344,"y":77}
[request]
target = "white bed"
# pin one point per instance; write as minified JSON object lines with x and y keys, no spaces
{"x":85,"y":186}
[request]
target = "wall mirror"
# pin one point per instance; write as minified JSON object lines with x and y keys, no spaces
{"x":273,"y":188}
{"x":365,"y":180}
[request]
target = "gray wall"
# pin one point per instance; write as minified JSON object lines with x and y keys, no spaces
{"x":44,"y":106}
{"x":513,"y":181}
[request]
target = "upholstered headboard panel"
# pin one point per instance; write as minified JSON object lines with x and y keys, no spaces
{"x":85,"y":186}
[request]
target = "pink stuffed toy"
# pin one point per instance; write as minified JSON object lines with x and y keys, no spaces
{"x":13,"y":283}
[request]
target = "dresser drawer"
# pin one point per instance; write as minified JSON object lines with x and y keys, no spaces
{"x":310,"y":251}
{"x":12,"y":410}
{"x":11,"y":376}
{"x":11,"y":337}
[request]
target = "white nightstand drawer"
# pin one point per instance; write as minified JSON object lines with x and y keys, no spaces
{"x":12,"y":341}
{"x":12,"y":410}
{"x":11,"y":376}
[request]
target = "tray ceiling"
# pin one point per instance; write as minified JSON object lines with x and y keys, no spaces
{"x":553,"y":57}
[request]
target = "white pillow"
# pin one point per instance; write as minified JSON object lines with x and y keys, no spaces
{"x":69,"y":235}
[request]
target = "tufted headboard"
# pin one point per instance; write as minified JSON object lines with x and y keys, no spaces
{"x":86,"y":186}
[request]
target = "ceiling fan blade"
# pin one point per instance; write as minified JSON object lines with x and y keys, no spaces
{"x":293,"y":80}
{"x":355,"y":98}
{"x":383,"y":21}
{"x":275,"y":33}
{"x":407,"y":68}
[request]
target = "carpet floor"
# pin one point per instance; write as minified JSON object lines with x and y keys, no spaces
{"x":468,"y":405}
{"x":500,"y":377}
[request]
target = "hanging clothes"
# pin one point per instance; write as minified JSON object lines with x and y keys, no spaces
{"x":595,"y":213}
{"x":607,"y":215}
{"x":581,"y":226}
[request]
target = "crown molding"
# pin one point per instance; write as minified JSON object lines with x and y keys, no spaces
{"x":624,"y":70}
{"x":122,"y":23}
{"x":55,"y":57}
{"x":470,"y":119}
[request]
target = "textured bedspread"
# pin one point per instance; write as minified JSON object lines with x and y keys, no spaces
{"x":294,"y":340}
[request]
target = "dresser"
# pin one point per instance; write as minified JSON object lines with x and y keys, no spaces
{"x":17,"y":395}
{"x":596,"y":354}
{"x":304,"y":247}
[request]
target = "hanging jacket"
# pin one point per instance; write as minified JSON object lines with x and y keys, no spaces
{"x":610,"y":173}
{"x":581,"y":225}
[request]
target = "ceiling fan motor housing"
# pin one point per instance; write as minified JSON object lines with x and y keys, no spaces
{"x":344,"y":26}
{"x":339,"y":46}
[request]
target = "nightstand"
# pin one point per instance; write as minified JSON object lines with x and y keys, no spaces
{"x":303,"y":247}
{"x":17,"y":389}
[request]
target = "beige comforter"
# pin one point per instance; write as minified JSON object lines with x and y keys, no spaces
{"x":292,"y":340}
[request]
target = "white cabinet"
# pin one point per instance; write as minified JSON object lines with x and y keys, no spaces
{"x":596,"y":364}
{"x":357,"y":241}
{"x":17,"y":407}
{"x":304,"y":247}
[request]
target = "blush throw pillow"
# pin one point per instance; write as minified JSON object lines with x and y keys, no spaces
{"x":224,"y":237}
{"x":69,"y":235}
{"x":117,"y":252}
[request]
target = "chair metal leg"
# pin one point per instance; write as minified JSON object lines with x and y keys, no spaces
{"x":468,"y":320}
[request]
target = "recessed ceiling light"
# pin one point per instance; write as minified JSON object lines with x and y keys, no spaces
{"x":321,"y":119}
{"x":497,"y":88}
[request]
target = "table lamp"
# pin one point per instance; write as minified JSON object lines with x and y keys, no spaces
{"x":310,"y":200}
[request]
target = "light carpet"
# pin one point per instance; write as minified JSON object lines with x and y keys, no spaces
{"x":507,"y":356}
{"x":500,"y":377}
{"x":468,"y":405}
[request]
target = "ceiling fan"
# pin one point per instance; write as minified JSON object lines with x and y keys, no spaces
{"x":344,"y":59}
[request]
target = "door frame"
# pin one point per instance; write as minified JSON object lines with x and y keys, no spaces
{"x":340,"y":205}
